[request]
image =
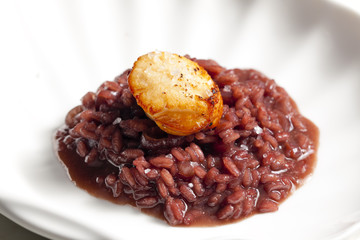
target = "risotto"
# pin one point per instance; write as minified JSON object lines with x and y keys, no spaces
{"x":261,"y":150}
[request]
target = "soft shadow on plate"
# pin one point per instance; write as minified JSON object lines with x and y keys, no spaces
{"x":42,"y":169}
{"x":47,"y":177}
{"x":50,"y":218}
{"x":44,"y":173}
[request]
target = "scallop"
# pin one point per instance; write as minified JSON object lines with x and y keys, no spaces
{"x":175,"y":92}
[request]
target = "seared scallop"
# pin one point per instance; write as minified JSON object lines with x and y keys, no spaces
{"x":176,"y":93}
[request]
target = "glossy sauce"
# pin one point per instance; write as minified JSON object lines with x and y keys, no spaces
{"x":261,"y":151}
{"x":91,"y":179}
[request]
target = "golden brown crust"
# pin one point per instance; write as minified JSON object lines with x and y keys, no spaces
{"x":176,"y":93}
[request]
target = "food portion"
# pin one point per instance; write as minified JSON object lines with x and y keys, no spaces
{"x":175,"y":92}
{"x":115,"y":145}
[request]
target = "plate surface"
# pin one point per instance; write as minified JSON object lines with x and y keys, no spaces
{"x":53,"y":52}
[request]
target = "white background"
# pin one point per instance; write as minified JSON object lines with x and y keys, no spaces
{"x":9,"y":230}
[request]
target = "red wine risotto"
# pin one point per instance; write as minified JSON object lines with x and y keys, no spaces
{"x":261,"y":150}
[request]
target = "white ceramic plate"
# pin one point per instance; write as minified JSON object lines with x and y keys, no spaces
{"x":53,"y":52}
